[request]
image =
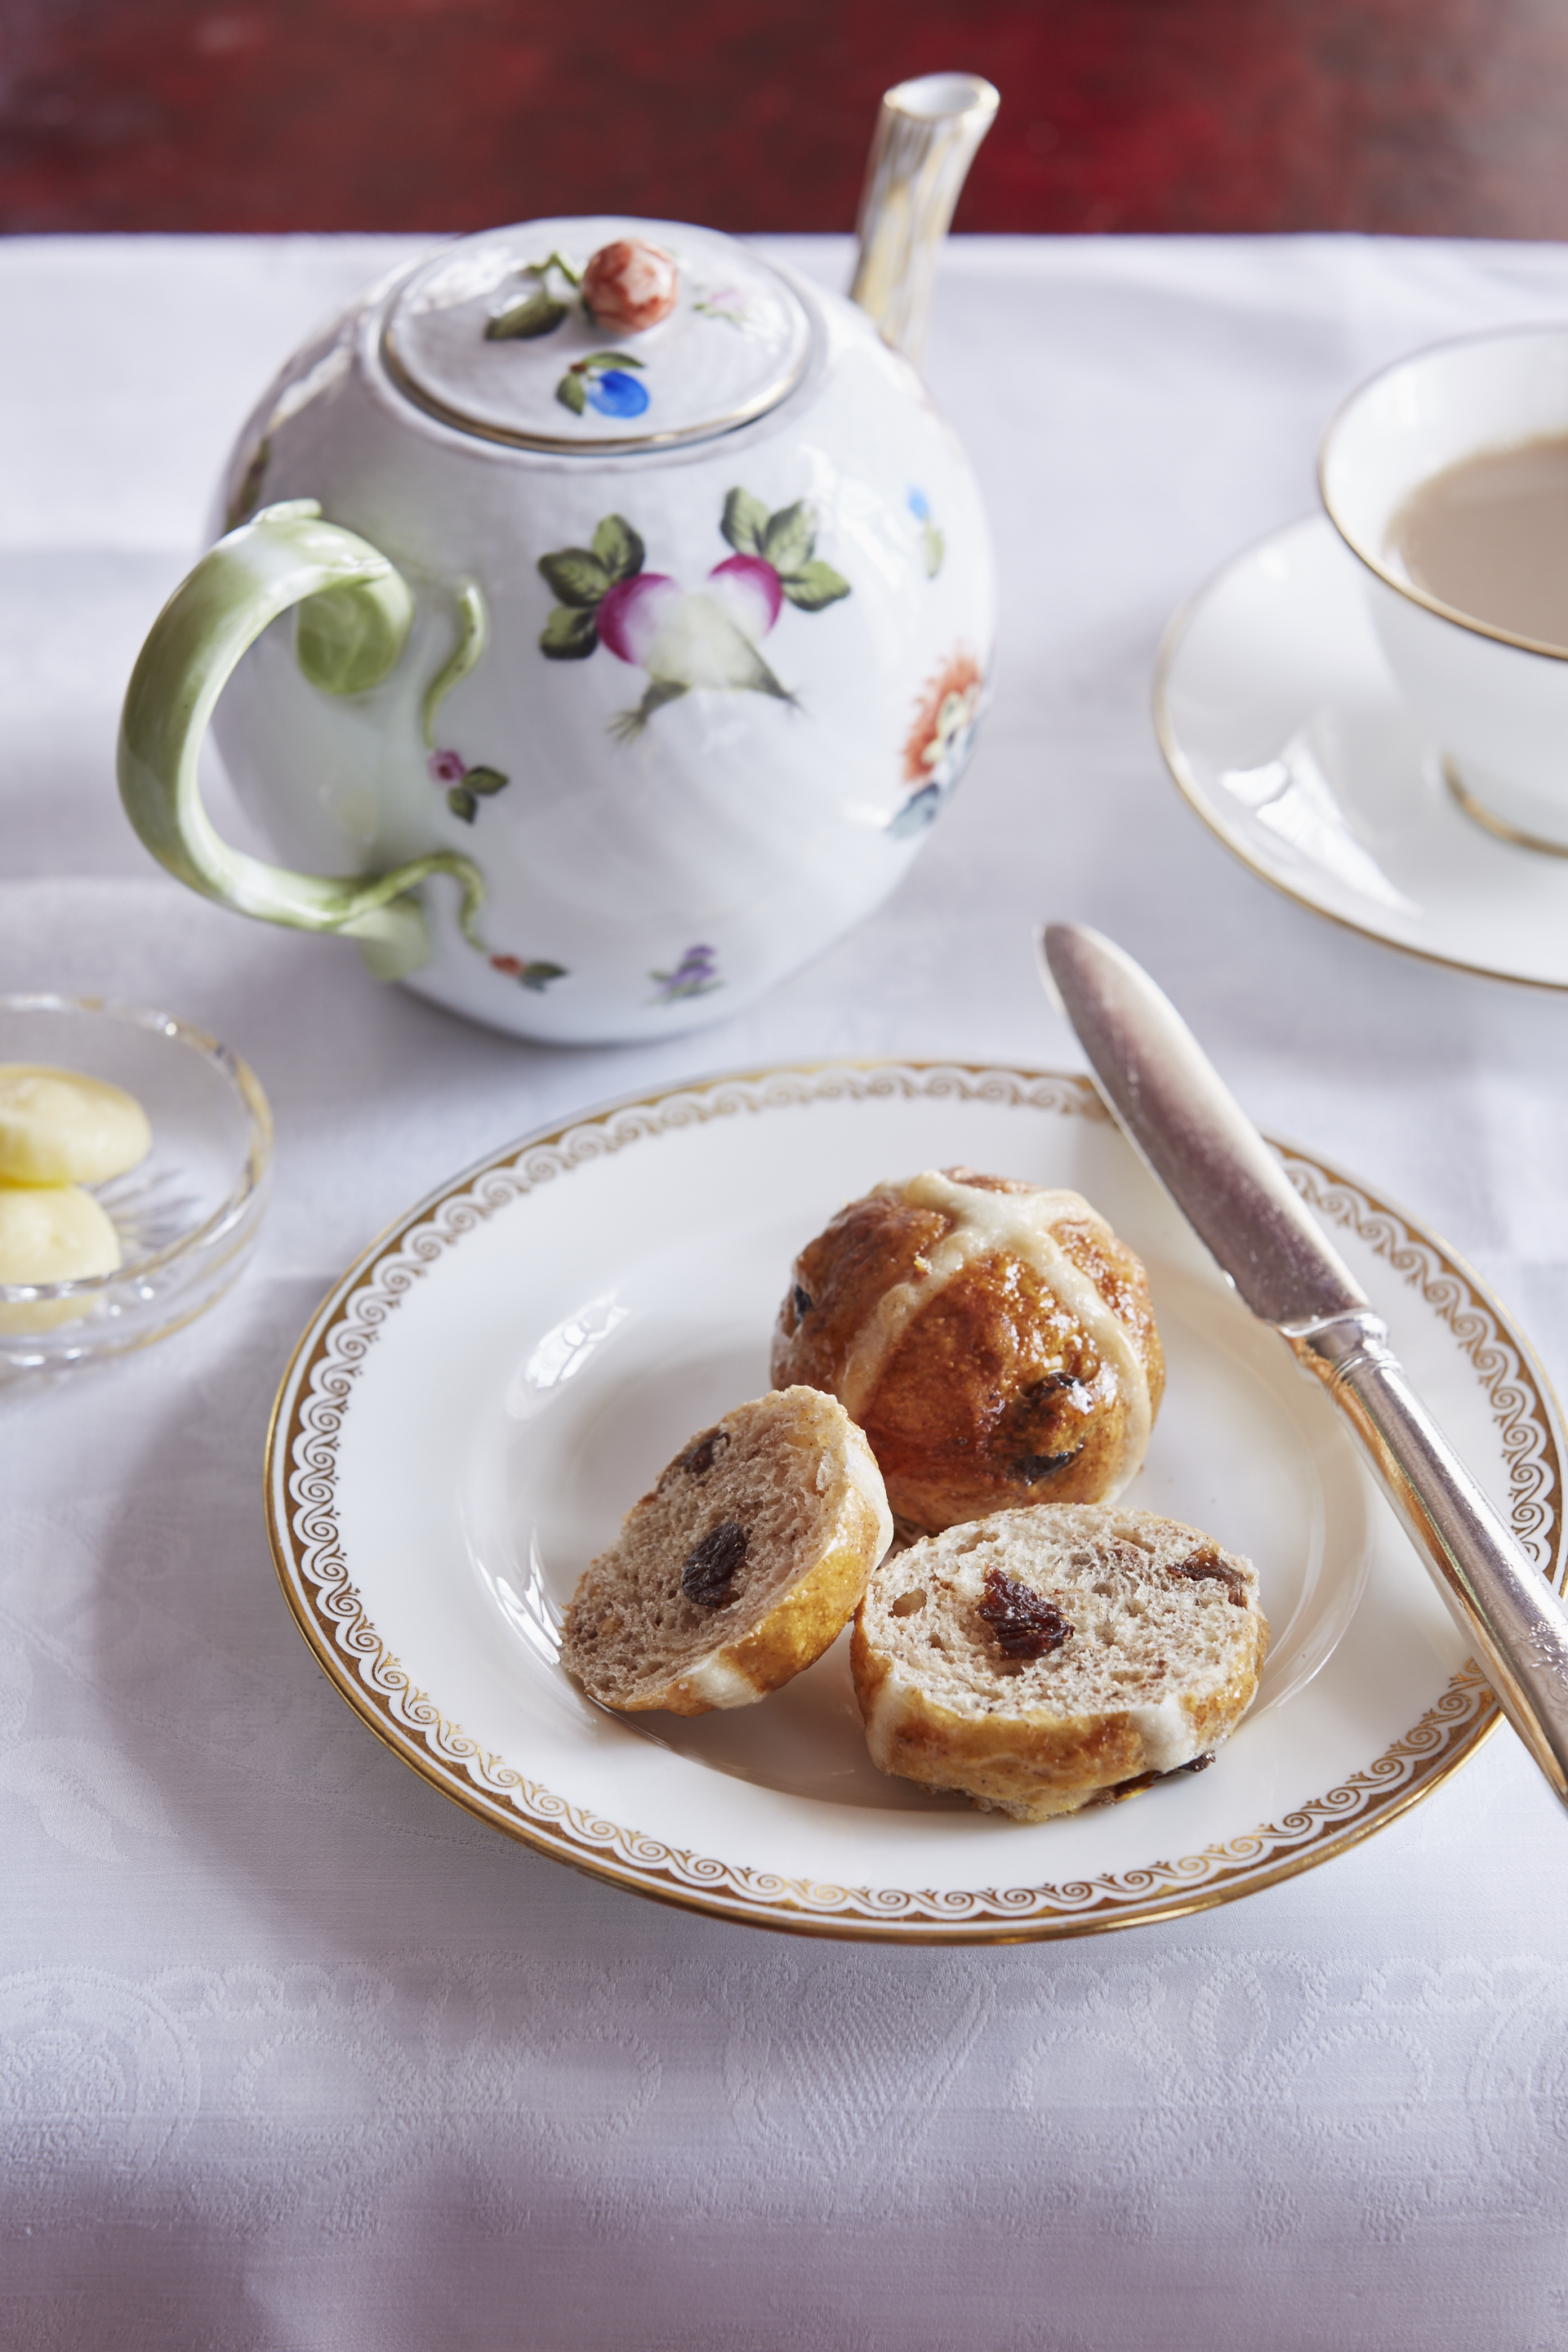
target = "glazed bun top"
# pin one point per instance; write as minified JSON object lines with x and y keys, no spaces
{"x":993,"y":1339}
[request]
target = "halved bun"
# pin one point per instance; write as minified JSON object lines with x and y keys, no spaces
{"x":1041,"y":1659}
{"x":741,"y":1566}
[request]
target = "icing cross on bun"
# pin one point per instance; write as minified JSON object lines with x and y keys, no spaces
{"x":993,"y":1339}
{"x":1044,"y":1660}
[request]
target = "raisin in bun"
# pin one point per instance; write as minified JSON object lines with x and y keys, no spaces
{"x":1043,"y":1660}
{"x":994,"y":1341}
{"x":741,"y":1568}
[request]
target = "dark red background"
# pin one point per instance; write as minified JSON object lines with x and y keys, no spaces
{"x":1439,"y":116}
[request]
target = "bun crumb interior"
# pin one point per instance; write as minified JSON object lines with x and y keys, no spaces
{"x":1042,"y":1659}
{"x":742,"y":1565}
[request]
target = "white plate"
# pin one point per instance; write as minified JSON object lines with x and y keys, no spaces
{"x":1279,"y":719}
{"x":487,"y":1391}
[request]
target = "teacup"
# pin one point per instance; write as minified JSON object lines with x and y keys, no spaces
{"x":1494,"y":702}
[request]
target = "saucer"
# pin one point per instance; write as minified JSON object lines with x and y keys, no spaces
{"x":1279,"y":719}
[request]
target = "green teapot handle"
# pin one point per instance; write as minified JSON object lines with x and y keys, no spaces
{"x":357,"y":614}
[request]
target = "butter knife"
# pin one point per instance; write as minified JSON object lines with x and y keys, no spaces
{"x":1171,"y":1105}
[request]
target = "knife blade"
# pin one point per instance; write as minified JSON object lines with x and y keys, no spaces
{"x":1183,"y":1120}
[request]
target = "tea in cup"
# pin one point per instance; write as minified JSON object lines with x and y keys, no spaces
{"x":1448,"y":476}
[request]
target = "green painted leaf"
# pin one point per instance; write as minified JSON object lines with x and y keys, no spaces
{"x":569,"y":635}
{"x":538,"y":313}
{"x":619,"y":548}
{"x":814,"y":586}
{"x":611,"y":360}
{"x":537,"y":976}
{"x":745,"y":521}
{"x":789,"y":539}
{"x":461,"y":802}
{"x":935,"y":547}
{"x":627,"y":725}
{"x":486,"y":780}
{"x":569,"y":392}
{"x":576,"y":575}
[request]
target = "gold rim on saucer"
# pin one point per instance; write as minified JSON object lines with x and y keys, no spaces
{"x":1180,"y":770}
{"x":1498,"y":827}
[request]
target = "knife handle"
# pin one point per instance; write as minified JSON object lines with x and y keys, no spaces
{"x":1496,"y":1595}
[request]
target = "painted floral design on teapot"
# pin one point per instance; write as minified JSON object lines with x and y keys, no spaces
{"x":687,"y":638}
{"x":465,"y":512}
{"x":627,"y":286}
{"x":939,"y":742}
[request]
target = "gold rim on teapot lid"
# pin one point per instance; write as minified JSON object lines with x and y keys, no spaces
{"x":601,"y":336}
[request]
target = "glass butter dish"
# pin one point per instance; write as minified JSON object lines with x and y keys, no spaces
{"x":185,"y":1217}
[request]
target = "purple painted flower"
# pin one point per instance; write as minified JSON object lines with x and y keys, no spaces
{"x":448,"y":767}
{"x":697,"y":974}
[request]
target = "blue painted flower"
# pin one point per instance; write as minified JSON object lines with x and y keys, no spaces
{"x":616,"y":394}
{"x":606,"y":381}
{"x":919,"y":811}
{"x":932,"y":547}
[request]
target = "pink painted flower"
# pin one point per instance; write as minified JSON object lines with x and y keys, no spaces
{"x":511,"y":965}
{"x":448,"y":767}
{"x":630,"y":284}
{"x":725,"y":302}
{"x":631,"y":613}
{"x":750,"y":591}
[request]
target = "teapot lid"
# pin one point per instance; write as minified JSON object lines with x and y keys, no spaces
{"x":497,"y":335}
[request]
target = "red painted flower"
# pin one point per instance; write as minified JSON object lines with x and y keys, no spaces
{"x":630,"y":284}
{"x":947,"y":712}
{"x":448,"y":767}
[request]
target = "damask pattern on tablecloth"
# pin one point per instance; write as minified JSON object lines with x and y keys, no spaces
{"x":97,"y":2079}
{"x":143,"y":1657}
{"x":79,"y":1790}
{"x":1101,"y":2090}
{"x":1261,"y":2131}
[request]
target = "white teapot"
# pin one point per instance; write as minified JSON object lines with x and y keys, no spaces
{"x":613,"y":607}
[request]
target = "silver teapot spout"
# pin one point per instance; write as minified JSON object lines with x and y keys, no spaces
{"x":928,"y":132}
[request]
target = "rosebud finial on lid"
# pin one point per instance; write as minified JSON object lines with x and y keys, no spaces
{"x":630,"y":284}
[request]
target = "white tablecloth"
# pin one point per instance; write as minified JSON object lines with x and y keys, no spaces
{"x":293,"y":2055}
